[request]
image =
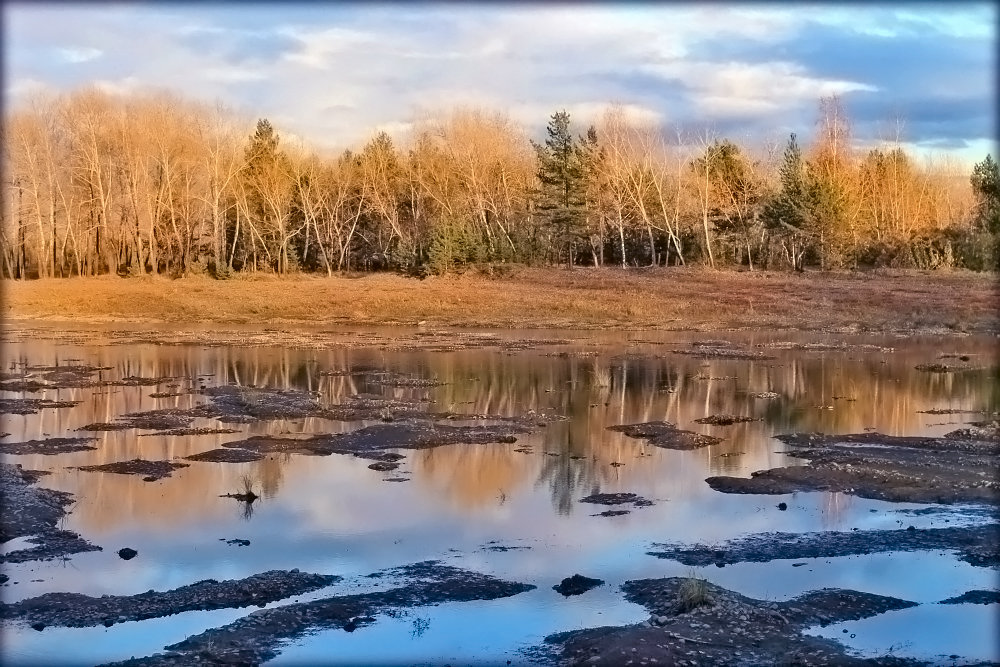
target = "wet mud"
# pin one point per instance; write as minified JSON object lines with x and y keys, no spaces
{"x":47,"y":446}
{"x":617,"y":499}
{"x":726,"y":420}
{"x":152,"y":420}
{"x":150,"y":471}
{"x":977,"y":545}
{"x":34,"y":512}
{"x":30,"y":406}
{"x":666,"y":435}
{"x":224,"y":455}
{"x":372,"y":441}
{"x":724,"y":628}
{"x":974,"y":597}
{"x":576,"y":585}
{"x":39,"y":378}
{"x":713,"y":352}
{"x":192,"y":431}
{"x":74,"y":610}
{"x":259,"y":636}
{"x":958,"y":468}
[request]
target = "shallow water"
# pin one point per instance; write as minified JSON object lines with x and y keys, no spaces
{"x":333,"y":515}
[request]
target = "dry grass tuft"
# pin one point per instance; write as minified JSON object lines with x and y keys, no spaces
{"x":693,"y":593}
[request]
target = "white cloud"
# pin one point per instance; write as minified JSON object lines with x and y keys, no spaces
{"x":234,"y":74}
{"x":80,"y":55}
{"x":320,"y":48}
{"x":336,"y":81}
{"x":24,"y":88}
{"x":742,"y":89}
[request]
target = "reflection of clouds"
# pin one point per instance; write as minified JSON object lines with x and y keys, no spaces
{"x":463,"y":482}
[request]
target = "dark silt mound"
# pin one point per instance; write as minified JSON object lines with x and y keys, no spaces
{"x":666,"y":435}
{"x":258,"y":637}
{"x":576,"y":585}
{"x":960,"y":467}
{"x":35,"y":512}
{"x":695,"y":622}
{"x":80,"y":611}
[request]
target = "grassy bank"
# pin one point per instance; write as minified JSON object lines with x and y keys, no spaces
{"x":674,"y":298}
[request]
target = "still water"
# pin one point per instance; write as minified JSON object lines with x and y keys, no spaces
{"x":334,"y":515}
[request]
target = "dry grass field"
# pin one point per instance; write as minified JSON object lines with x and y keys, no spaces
{"x":664,"y":298}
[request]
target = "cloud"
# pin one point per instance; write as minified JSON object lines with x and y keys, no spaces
{"x":744,"y":89}
{"x":335,"y":74}
{"x":79,"y":55}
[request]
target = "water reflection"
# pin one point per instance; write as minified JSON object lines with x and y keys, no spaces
{"x":333,"y":514}
{"x":817,"y":391}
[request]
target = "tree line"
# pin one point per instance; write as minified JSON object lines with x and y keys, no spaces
{"x":96,"y":183}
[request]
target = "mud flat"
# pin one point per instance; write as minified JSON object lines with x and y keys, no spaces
{"x":74,"y":610}
{"x":666,"y":435}
{"x":152,"y":420}
{"x":258,"y":637}
{"x":39,"y":378}
{"x":732,"y":352}
{"x":974,"y":597}
{"x":957,"y":468}
{"x":372,"y":441}
{"x":695,"y":622}
{"x":726,"y":420}
{"x":47,"y":446}
{"x":150,"y":471}
{"x":626,"y":498}
{"x":977,"y":545}
{"x":29,"y":511}
{"x":30,"y":406}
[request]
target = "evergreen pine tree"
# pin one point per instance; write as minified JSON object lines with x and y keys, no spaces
{"x":789,"y":211}
{"x":560,"y":172}
{"x":986,"y":187}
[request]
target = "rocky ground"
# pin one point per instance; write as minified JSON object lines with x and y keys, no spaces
{"x":977,"y":545}
{"x":258,"y":637}
{"x":957,"y":468}
{"x":80,"y":611}
{"x":47,"y":446}
{"x":150,"y":471}
{"x":30,"y":511}
{"x":694,"y":622}
{"x":666,"y":435}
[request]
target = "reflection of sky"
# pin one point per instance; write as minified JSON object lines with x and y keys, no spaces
{"x":932,"y":632}
{"x":333,"y":515}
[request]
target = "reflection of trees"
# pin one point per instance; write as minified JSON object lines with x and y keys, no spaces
{"x":835,"y":507}
{"x":593,"y":392}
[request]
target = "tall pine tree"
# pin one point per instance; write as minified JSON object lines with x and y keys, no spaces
{"x":986,"y":188}
{"x":562,"y":183}
{"x":789,"y":211}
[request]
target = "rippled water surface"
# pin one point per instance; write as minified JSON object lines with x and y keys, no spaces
{"x":333,"y":515}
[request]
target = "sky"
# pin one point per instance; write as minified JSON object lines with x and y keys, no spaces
{"x":333,"y":74}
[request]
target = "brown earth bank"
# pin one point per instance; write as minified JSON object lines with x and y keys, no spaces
{"x":675,"y":298}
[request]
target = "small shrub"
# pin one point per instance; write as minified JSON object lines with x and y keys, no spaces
{"x":246,"y":482}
